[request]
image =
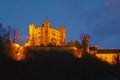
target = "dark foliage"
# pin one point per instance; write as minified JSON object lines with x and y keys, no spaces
{"x":57,"y":65}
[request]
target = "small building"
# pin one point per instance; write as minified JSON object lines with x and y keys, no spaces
{"x":107,"y":55}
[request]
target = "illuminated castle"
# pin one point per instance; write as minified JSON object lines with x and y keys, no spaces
{"x":45,"y":34}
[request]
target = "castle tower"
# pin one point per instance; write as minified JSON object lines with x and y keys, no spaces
{"x":46,"y":28}
{"x":63,"y":35}
{"x":85,"y":43}
{"x":31,"y":34}
{"x":46,"y":24}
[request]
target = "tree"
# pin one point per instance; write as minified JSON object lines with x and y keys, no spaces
{"x":5,"y":34}
{"x":77,"y":44}
{"x":70,"y":44}
{"x":4,"y":40}
{"x":16,"y":36}
{"x":8,"y":35}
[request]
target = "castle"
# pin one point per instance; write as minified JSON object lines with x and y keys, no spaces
{"x":45,"y":34}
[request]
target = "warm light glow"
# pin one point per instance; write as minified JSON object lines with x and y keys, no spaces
{"x":77,"y":52}
{"x":20,"y":55}
{"x":17,"y":45}
{"x":45,"y":35}
{"x":110,"y":58}
{"x":17,"y":52}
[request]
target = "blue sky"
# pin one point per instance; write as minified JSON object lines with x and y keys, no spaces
{"x":98,"y":18}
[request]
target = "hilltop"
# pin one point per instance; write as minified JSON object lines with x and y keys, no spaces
{"x":58,"y":66}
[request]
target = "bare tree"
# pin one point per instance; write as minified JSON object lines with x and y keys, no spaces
{"x":9,"y":32}
{"x":8,"y":35}
{"x":14,"y":36}
{"x":3,"y":35}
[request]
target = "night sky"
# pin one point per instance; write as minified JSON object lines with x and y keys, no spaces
{"x":98,"y":18}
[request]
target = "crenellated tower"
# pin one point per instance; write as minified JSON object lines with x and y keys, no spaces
{"x":63,"y":35}
{"x":46,"y":26}
{"x":31,"y":35}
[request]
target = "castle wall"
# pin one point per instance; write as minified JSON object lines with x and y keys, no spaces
{"x":108,"y":57}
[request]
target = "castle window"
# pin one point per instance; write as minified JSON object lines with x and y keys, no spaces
{"x":38,"y":37}
{"x":54,"y":34}
{"x":32,"y":38}
{"x":46,"y":31}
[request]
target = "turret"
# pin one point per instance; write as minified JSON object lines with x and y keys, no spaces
{"x":63,"y":35}
{"x":85,"y":43}
{"x":31,"y":28}
{"x":63,"y":31}
{"x":31,"y":34}
{"x":46,"y":24}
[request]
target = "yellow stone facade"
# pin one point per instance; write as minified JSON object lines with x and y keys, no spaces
{"x":45,"y":34}
{"x":106,"y":55}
